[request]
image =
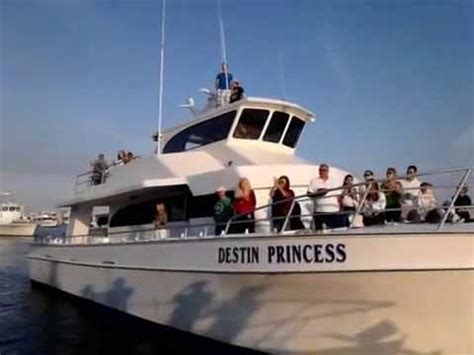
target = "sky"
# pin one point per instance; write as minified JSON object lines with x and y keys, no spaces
{"x":391,"y":82}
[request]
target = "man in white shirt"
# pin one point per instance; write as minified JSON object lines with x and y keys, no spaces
{"x":411,"y":187}
{"x":326,"y":204}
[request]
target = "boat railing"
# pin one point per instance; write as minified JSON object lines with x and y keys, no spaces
{"x":335,"y":192}
{"x":87,"y":179}
{"x":231,"y":227}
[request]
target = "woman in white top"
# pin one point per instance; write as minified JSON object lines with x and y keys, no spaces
{"x":426,"y":203}
{"x":374,"y":205}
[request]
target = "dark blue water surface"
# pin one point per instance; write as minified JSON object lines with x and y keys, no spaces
{"x":38,"y":320}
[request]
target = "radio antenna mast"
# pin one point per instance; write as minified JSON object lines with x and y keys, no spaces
{"x":223,"y":47}
{"x":162,"y":64}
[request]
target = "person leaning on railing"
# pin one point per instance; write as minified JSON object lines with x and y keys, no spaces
{"x":374,"y":205}
{"x":99,"y":170}
{"x":282,"y":195}
{"x":410,"y":188}
{"x":349,"y":199}
{"x":161,"y":218}
{"x":463,"y":200}
{"x":392,"y":188}
{"x":325,"y":204}
{"x":427,"y":205}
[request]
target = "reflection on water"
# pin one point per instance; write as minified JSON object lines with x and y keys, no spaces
{"x":35,"y":320}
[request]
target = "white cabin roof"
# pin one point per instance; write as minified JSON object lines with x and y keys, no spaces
{"x":204,"y":167}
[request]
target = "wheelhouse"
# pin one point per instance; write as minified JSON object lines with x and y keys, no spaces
{"x":269,"y":122}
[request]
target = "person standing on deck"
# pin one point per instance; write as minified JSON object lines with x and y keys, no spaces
{"x":99,"y":170}
{"x":223,"y":82}
{"x":392,"y":188}
{"x":223,"y":210}
{"x":326,"y":204}
{"x":411,"y":187}
{"x":244,"y":207}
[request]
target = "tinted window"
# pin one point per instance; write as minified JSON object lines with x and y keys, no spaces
{"x":4,"y":208}
{"x":145,"y":212}
{"x":203,"y":133}
{"x":12,"y":208}
{"x":276,"y":127}
{"x":251,"y":124}
{"x":293,"y":133}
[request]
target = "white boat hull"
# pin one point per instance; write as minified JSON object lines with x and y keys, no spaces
{"x":17,"y":229}
{"x":423,"y":307}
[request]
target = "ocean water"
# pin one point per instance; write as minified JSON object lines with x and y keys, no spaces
{"x":38,"y":320}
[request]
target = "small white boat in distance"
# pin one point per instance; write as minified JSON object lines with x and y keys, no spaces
{"x":392,"y":289}
{"x":47,"y":219}
{"x":13,"y":223}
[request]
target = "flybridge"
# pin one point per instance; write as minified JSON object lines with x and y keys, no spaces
{"x":250,"y":120}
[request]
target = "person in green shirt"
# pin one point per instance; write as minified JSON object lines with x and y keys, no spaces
{"x":223,"y":210}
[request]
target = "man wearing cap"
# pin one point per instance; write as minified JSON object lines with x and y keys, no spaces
{"x":223,"y":210}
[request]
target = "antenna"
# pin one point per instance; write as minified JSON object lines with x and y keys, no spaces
{"x":162,"y":64}
{"x":223,"y":48}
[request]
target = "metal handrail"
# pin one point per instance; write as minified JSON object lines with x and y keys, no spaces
{"x":204,"y":228}
{"x":327,"y":195}
{"x":104,"y":177}
{"x":303,"y":197}
{"x":454,"y":198}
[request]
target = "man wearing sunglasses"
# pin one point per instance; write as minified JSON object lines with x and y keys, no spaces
{"x":325,"y":201}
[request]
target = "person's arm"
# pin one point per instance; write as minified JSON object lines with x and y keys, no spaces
{"x":381,"y":203}
{"x":275,"y":186}
{"x":217,"y":82}
{"x":286,"y":193}
{"x":318,"y":193}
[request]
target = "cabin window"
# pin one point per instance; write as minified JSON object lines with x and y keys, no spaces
{"x":293,"y":132}
{"x":251,"y":123}
{"x":145,"y":212}
{"x":12,"y":209}
{"x":207,"y":132}
{"x":276,"y":127}
{"x":4,"y":208}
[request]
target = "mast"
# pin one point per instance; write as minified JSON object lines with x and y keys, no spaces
{"x":162,"y":64}
{"x":223,"y":47}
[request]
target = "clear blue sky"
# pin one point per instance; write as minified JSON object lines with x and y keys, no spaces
{"x":391,"y":82}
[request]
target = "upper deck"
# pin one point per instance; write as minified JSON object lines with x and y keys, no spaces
{"x":215,"y":148}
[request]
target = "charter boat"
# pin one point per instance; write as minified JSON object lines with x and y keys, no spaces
{"x":390,"y":289}
{"x":47,"y":219}
{"x":13,"y":222}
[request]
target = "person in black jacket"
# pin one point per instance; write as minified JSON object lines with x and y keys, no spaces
{"x":237,"y":91}
{"x":463,"y":199}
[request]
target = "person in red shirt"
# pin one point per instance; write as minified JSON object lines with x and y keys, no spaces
{"x":244,"y":207}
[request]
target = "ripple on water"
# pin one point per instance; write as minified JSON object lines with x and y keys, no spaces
{"x":34,"y":320}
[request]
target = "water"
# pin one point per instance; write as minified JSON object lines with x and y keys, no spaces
{"x":37,"y":320}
